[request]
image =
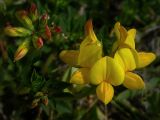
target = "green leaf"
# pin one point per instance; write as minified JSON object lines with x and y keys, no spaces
{"x":37,"y":82}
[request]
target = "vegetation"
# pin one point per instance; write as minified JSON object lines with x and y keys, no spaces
{"x":35,"y":79}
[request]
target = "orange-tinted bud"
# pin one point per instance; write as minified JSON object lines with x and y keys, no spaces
{"x":22,"y":50}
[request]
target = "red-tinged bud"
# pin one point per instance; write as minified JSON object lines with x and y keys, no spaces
{"x":45,"y":100}
{"x":58,"y":29}
{"x":33,"y":12}
{"x":48,"y":32}
{"x":44,"y":19}
{"x":37,"y":42}
{"x":33,"y":8}
{"x":22,"y":50}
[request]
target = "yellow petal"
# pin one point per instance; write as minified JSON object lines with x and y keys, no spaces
{"x":89,"y":53}
{"x":133,"y":81}
{"x":81,"y":76}
{"x":107,"y":69}
{"x":98,"y":72}
{"x":130,"y":39}
{"x":145,"y":59}
{"x":69,"y":56}
{"x":127,"y":58}
{"x":105,"y":92}
{"x":89,"y":31}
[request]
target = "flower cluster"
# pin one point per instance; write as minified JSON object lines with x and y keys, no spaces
{"x":107,"y":71}
{"x":39,"y":98}
{"x":34,"y":30}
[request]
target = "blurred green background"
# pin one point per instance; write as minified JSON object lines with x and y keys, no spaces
{"x":42,"y":71}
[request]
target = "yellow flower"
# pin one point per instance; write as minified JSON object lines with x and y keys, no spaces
{"x":105,"y":73}
{"x":124,"y":38}
{"x":90,"y":51}
{"x":127,"y":39}
{"x":129,"y":58}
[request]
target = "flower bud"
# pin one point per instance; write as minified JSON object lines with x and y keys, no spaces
{"x":21,"y":51}
{"x":58,"y":29}
{"x":39,"y":94}
{"x":47,"y":32}
{"x":24,"y":19}
{"x":44,"y":19}
{"x":37,"y":42}
{"x":17,"y":31}
{"x":33,"y":8}
{"x":45,"y":100}
{"x":35,"y":103}
{"x":33,"y":12}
